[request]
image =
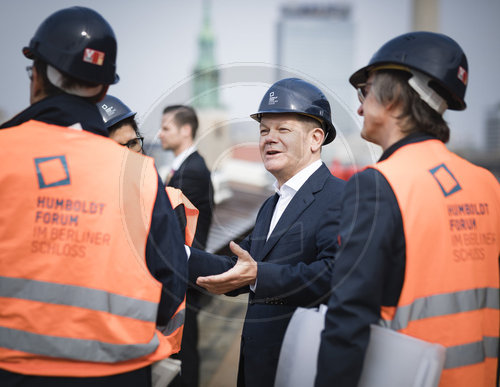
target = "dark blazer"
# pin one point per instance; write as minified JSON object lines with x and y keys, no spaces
{"x":294,"y":269}
{"x":193,"y":179}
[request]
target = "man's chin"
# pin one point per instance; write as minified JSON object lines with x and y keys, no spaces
{"x":273,"y":167}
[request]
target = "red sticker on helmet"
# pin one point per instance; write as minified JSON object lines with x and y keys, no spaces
{"x":462,"y":75}
{"x":93,"y":56}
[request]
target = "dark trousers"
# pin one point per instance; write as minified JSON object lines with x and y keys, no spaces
{"x":190,"y":367}
{"x":136,"y":378}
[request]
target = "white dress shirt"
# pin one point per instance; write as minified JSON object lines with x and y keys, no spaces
{"x":286,"y":193}
{"x":181,"y":158}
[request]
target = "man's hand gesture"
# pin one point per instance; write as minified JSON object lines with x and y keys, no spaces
{"x":242,"y":274}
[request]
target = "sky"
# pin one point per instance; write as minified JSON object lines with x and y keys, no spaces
{"x":157,"y":48}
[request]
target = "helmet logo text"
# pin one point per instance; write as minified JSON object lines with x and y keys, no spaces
{"x":272,"y":98}
{"x":110,"y":110}
{"x":93,"y":56}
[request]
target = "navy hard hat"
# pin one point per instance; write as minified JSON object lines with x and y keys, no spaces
{"x":113,"y":110}
{"x":294,"y":95}
{"x":79,"y":42}
{"x":435,"y":55}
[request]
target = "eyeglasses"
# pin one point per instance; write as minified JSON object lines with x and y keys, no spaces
{"x":29,"y":70}
{"x":363,"y":90}
{"x":135,"y":144}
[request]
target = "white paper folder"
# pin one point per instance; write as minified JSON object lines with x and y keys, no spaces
{"x":392,"y":359}
{"x":164,"y":371}
{"x":396,"y":360}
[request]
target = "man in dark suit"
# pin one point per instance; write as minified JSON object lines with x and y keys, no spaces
{"x":190,"y":174}
{"x":286,"y":261}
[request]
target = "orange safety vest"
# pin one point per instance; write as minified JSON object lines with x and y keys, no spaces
{"x":175,"y":326}
{"x":177,"y":198}
{"x":451,"y":219}
{"x":76,"y":297}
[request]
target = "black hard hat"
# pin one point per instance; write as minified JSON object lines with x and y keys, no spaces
{"x":294,"y":95}
{"x":79,"y":42}
{"x":113,"y":110}
{"x":436,"y":55}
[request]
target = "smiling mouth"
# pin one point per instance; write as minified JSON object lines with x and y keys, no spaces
{"x":272,"y":152}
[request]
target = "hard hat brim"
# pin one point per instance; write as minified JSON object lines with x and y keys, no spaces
{"x":330,"y":132}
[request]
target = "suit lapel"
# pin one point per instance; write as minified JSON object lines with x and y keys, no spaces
{"x":176,"y":179}
{"x":300,"y":202}
{"x":262,"y":224}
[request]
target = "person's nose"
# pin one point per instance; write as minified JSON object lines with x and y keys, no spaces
{"x":272,"y":137}
{"x":360,"y":110}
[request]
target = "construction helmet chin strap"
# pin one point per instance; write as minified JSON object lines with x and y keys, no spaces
{"x":56,"y":78}
{"x":420,"y":83}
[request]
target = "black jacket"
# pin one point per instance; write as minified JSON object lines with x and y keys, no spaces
{"x":294,"y":269}
{"x":193,"y":179}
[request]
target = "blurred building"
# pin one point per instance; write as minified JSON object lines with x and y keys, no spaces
{"x":213,"y":137}
{"x":425,"y":15}
{"x":490,"y":159}
{"x":493,"y":130}
{"x":316,"y":42}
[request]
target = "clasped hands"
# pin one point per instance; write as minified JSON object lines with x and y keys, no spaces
{"x":242,"y":274}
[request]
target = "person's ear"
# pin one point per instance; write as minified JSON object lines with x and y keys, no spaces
{"x":186,"y":130}
{"x":317,"y":138}
{"x":37,"y":92}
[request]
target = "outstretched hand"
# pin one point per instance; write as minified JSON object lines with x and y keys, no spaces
{"x":242,"y":274}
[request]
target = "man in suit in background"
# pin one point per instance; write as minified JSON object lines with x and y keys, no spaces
{"x":190,"y":174}
{"x":286,"y":261}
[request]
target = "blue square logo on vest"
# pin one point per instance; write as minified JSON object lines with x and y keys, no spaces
{"x":447,"y":182}
{"x":52,"y":171}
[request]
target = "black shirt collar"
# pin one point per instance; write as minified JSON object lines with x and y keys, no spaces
{"x":63,"y":110}
{"x":410,"y":139}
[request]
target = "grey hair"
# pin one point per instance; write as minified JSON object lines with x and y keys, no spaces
{"x":390,"y":87}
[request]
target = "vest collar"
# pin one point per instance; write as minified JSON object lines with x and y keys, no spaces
{"x":62,"y":110}
{"x":410,"y":139}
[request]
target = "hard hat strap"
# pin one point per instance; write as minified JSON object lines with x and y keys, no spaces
{"x":420,"y":83}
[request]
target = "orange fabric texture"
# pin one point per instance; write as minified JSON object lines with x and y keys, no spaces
{"x":71,"y":227}
{"x":450,"y":210}
{"x":178,"y":198}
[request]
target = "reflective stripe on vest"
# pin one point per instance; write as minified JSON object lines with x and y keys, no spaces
{"x":451,"y":220}
{"x":76,"y":296}
{"x":447,"y":304}
{"x":471,"y":353}
{"x":176,"y":322}
{"x":442,"y":305}
{"x":75,"y":349}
